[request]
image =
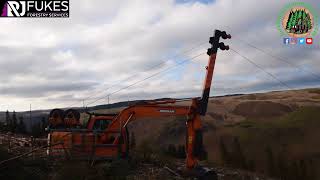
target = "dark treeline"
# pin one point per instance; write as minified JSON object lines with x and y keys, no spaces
{"x":16,"y":124}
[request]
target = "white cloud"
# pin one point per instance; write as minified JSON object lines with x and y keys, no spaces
{"x":52,"y":62}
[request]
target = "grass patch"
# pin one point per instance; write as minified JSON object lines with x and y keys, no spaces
{"x":299,"y":118}
{"x":291,"y":138}
{"x":21,"y":168}
{"x":289,"y":128}
{"x":316,"y":97}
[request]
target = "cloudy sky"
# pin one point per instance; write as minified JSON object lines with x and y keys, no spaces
{"x":59,"y":62}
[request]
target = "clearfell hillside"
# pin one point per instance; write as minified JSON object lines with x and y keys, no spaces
{"x":272,"y":133}
{"x":262,"y":136}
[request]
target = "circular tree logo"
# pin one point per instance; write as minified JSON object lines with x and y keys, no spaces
{"x":298,"y":19}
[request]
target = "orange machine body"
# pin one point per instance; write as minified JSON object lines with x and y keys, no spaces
{"x":82,"y":143}
{"x":106,"y":135}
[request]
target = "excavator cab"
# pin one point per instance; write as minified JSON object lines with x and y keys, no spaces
{"x":68,"y":139}
{"x":99,"y":122}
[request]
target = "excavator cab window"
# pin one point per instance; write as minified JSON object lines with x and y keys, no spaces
{"x":101,"y":124}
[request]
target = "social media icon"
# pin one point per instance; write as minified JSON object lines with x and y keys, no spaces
{"x":309,"y":40}
{"x":293,"y":40}
{"x":286,"y":40}
{"x":301,"y":41}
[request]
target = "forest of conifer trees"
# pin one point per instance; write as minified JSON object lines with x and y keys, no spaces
{"x":299,"y":22}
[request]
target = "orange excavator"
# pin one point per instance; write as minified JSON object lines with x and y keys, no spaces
{"x":105,"y":136}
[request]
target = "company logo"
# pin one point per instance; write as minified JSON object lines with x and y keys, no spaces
{"x":166,"y":111}
{"x":309,"y":40}
{"x":35,"y":8}
{"x":298,"y":19}
{"x":301,"y":41}
{"x":286,"y":41}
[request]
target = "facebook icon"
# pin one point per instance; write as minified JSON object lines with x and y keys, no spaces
{"x":286,"y":41}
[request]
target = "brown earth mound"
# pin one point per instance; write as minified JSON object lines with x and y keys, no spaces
{"x":261,"y":109}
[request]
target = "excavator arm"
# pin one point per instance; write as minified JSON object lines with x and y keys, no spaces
{"x":198,"y":108}
{"x":194,"y":141}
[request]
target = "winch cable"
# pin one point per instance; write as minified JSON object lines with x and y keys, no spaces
{"x":164,"y":61}
{"x":278,"y":58}
{"x":144,"y":79}
{"x":262,"y":69}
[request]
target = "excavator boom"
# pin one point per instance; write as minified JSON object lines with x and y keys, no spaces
{"x":106,"y":135}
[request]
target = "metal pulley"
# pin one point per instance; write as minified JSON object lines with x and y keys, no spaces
{"x":214,"y":41}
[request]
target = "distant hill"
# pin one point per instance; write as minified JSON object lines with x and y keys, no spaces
{"x":274,"y":133}
{"x":220,"y":107}
{"x":276,"y":130}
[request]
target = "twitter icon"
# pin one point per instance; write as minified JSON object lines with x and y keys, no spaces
{"x":301,"y":41}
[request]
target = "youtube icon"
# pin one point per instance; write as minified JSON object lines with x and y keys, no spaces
{"x":309,"y":40}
